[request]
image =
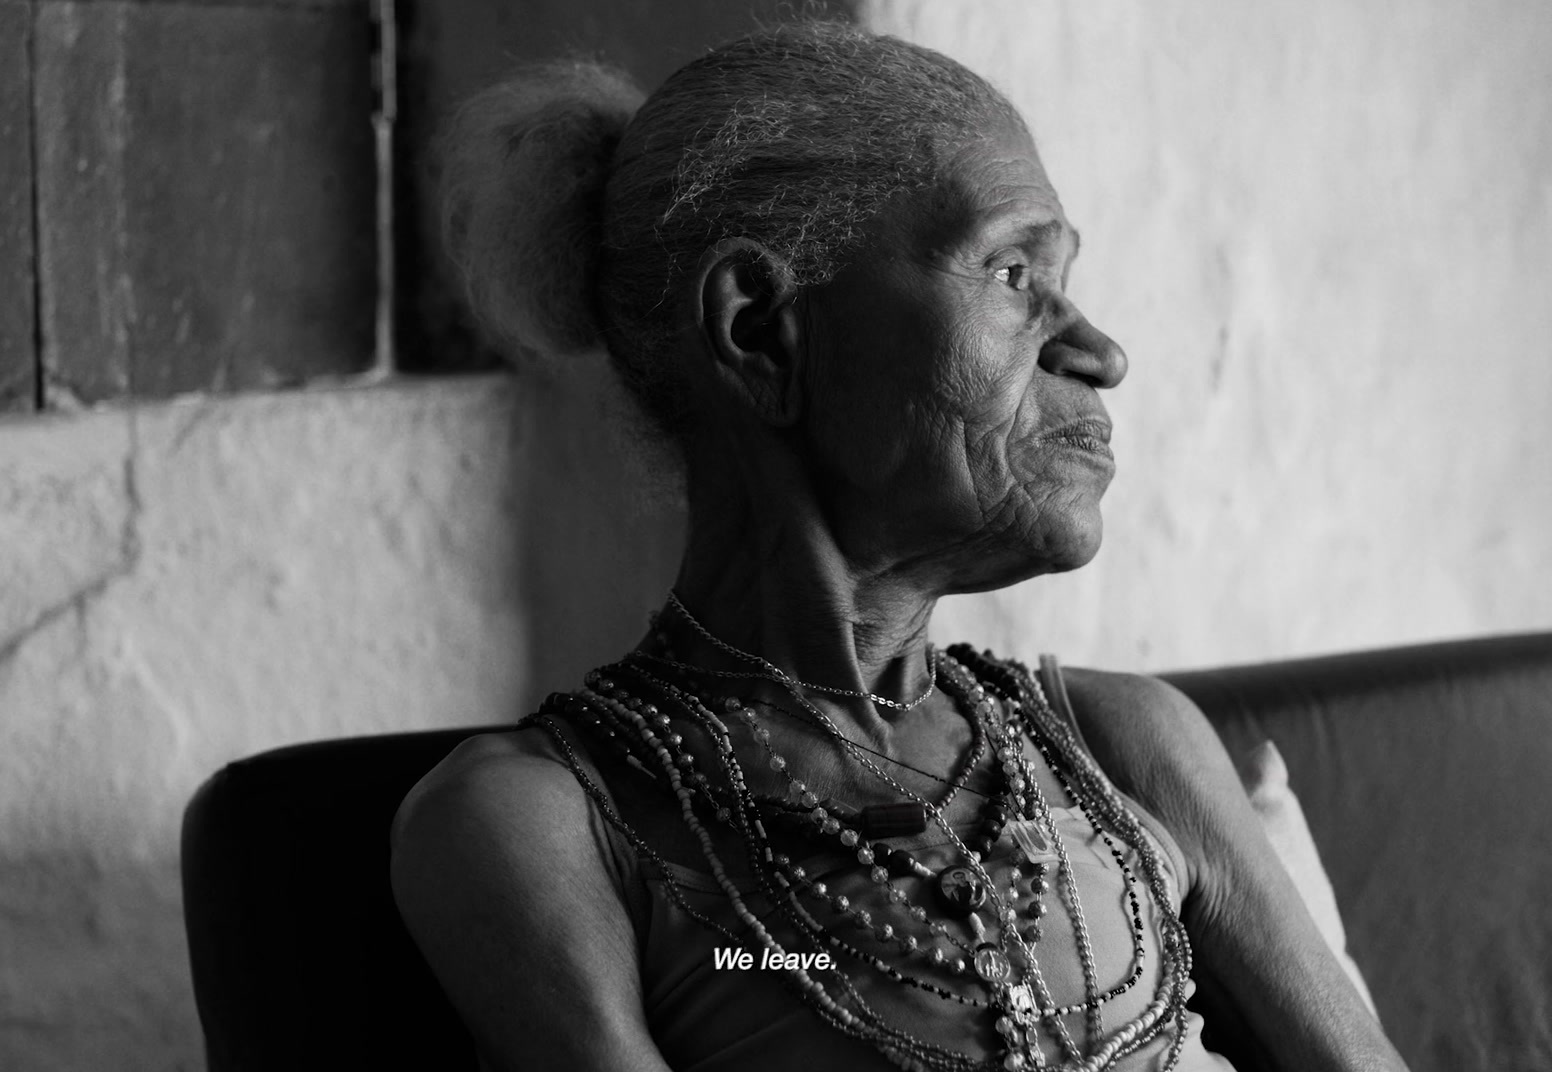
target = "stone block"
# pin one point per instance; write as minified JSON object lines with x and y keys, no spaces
{"x":207,"y":185}
{"x":18,"y":354}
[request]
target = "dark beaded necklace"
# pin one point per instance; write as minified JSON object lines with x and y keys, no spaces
{"x":687,"y":674}
{"x":1081,"y":780}
{"x":650,"y":740}
{"x":959,"y":892}
{"x":902,"y":1041}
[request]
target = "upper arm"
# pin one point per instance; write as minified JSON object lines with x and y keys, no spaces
{"x":502,"y":887}
{"x":1252,"y":936}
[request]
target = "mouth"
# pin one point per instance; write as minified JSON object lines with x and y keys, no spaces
{"x":1090,"y":434}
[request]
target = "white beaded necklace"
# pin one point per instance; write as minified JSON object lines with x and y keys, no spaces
{"x":783,"y":882}
{"x":775,"y":673}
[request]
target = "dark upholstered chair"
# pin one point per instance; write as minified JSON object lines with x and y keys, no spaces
{"x":1425,"y":773}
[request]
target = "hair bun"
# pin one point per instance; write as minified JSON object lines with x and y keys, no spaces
{"x":526,"y":165}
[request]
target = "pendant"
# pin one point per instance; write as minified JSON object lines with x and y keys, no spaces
{"x":1022,"y":999}
{"x":1023,"y":1008}
{"x":992,"y":964}
{"x":1029,"y":838}
{"x":960,"y":891}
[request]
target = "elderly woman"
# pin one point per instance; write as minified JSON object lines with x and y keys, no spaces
{"x":786,"y":832}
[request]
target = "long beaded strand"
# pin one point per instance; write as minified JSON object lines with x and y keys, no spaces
{"x":1053,"y":736}
{"x":1069,"y":888}
{"x":1081,"y":786}
{"x":1048,"y":1009}
{"x":863,"y":854}
{"x":1043,"y":995}
{"x":864,"y":1022}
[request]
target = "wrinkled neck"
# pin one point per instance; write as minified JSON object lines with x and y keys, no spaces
{"x":764,"y":573}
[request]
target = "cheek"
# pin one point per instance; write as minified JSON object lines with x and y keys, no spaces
{"x":988,"y":357}
{"x":987,"y":387}
{"x":932,"y":393}
{"x":967,"y":410}
{"x":877,"y":394}
{"x":860,"y":413}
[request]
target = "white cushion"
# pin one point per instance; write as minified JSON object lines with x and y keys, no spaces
{"x":1265,"y":778}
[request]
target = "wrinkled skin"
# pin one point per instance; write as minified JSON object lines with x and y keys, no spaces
{"x":947,"y":354}
{"x":893,"y":436}
{"x":903,"y":433}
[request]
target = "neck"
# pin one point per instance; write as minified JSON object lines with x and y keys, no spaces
{"x":764,"y":573}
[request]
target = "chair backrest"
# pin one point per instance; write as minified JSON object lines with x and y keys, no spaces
{"x":299,"y":958}
{"x":1426,"y":776}
{"x":1425,"y":773}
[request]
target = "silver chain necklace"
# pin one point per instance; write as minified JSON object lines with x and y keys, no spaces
{"x":777,"y":674}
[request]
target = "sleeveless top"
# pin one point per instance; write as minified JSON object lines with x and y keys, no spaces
{"x":707,"y":1016}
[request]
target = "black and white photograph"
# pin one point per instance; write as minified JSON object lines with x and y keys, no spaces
{"x":775,"y":535}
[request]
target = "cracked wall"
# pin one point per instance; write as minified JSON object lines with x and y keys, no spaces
{"x":187,"y":583}
{"x":1332,"y":436}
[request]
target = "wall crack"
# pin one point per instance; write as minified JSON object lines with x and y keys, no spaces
{"x":130,"y":552}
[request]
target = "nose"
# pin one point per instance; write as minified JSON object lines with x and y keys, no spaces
{"x":1080,"y":349}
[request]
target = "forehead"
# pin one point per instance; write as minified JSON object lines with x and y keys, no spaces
{"x":988,"y":185}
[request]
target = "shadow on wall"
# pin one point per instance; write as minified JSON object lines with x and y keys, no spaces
{"x":602,"y":533}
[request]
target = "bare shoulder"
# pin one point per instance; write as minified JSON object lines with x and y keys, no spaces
{"x":502,"y":817}
{"x":1147,"y":719}
{"x":506,"y":779}
{"x":512,"y":902}
{"x":498,"y":818}
{"x":1157,"y":745}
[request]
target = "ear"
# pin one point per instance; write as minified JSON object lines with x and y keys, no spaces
{"x":750,"y":327}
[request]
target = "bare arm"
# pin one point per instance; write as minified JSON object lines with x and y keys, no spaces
{"x":1253,"y":939}
{"x":517,"y":914}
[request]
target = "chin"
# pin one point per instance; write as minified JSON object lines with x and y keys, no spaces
{"x":1080,"y":544}
{"x":1020,"y":556}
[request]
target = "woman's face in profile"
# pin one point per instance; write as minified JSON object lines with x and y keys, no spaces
{"x":954,"y":386}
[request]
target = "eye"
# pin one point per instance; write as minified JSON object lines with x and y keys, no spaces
{"x":1014,"y":275}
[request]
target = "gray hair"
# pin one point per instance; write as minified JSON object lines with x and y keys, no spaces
{"x":576,"y":210}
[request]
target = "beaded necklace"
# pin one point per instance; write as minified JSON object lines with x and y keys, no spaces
{"x":686,"y":673}
{"x":850,"y":838}
{"x":773,"y":672}
{"x":1081,"y":777}
{"x":859,"y":1020}
{"x":621,"y":705}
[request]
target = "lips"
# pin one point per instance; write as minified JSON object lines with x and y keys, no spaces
{"x":1091,"y":434}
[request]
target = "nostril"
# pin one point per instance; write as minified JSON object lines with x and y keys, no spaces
{"x":1083,"y":351}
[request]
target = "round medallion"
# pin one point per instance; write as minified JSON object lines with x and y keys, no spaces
{"x":991,"y":964}
{"x":960,"y":890}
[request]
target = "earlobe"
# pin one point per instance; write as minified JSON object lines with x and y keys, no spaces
{"x":749,"y":327}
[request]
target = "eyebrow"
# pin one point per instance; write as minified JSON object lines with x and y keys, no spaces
{"x":1050,"y":231}
{"x":1033,"y":234}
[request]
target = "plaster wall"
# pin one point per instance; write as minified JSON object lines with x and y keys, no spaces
{"x":1323,"y":230}
{"x":187,"y":583}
